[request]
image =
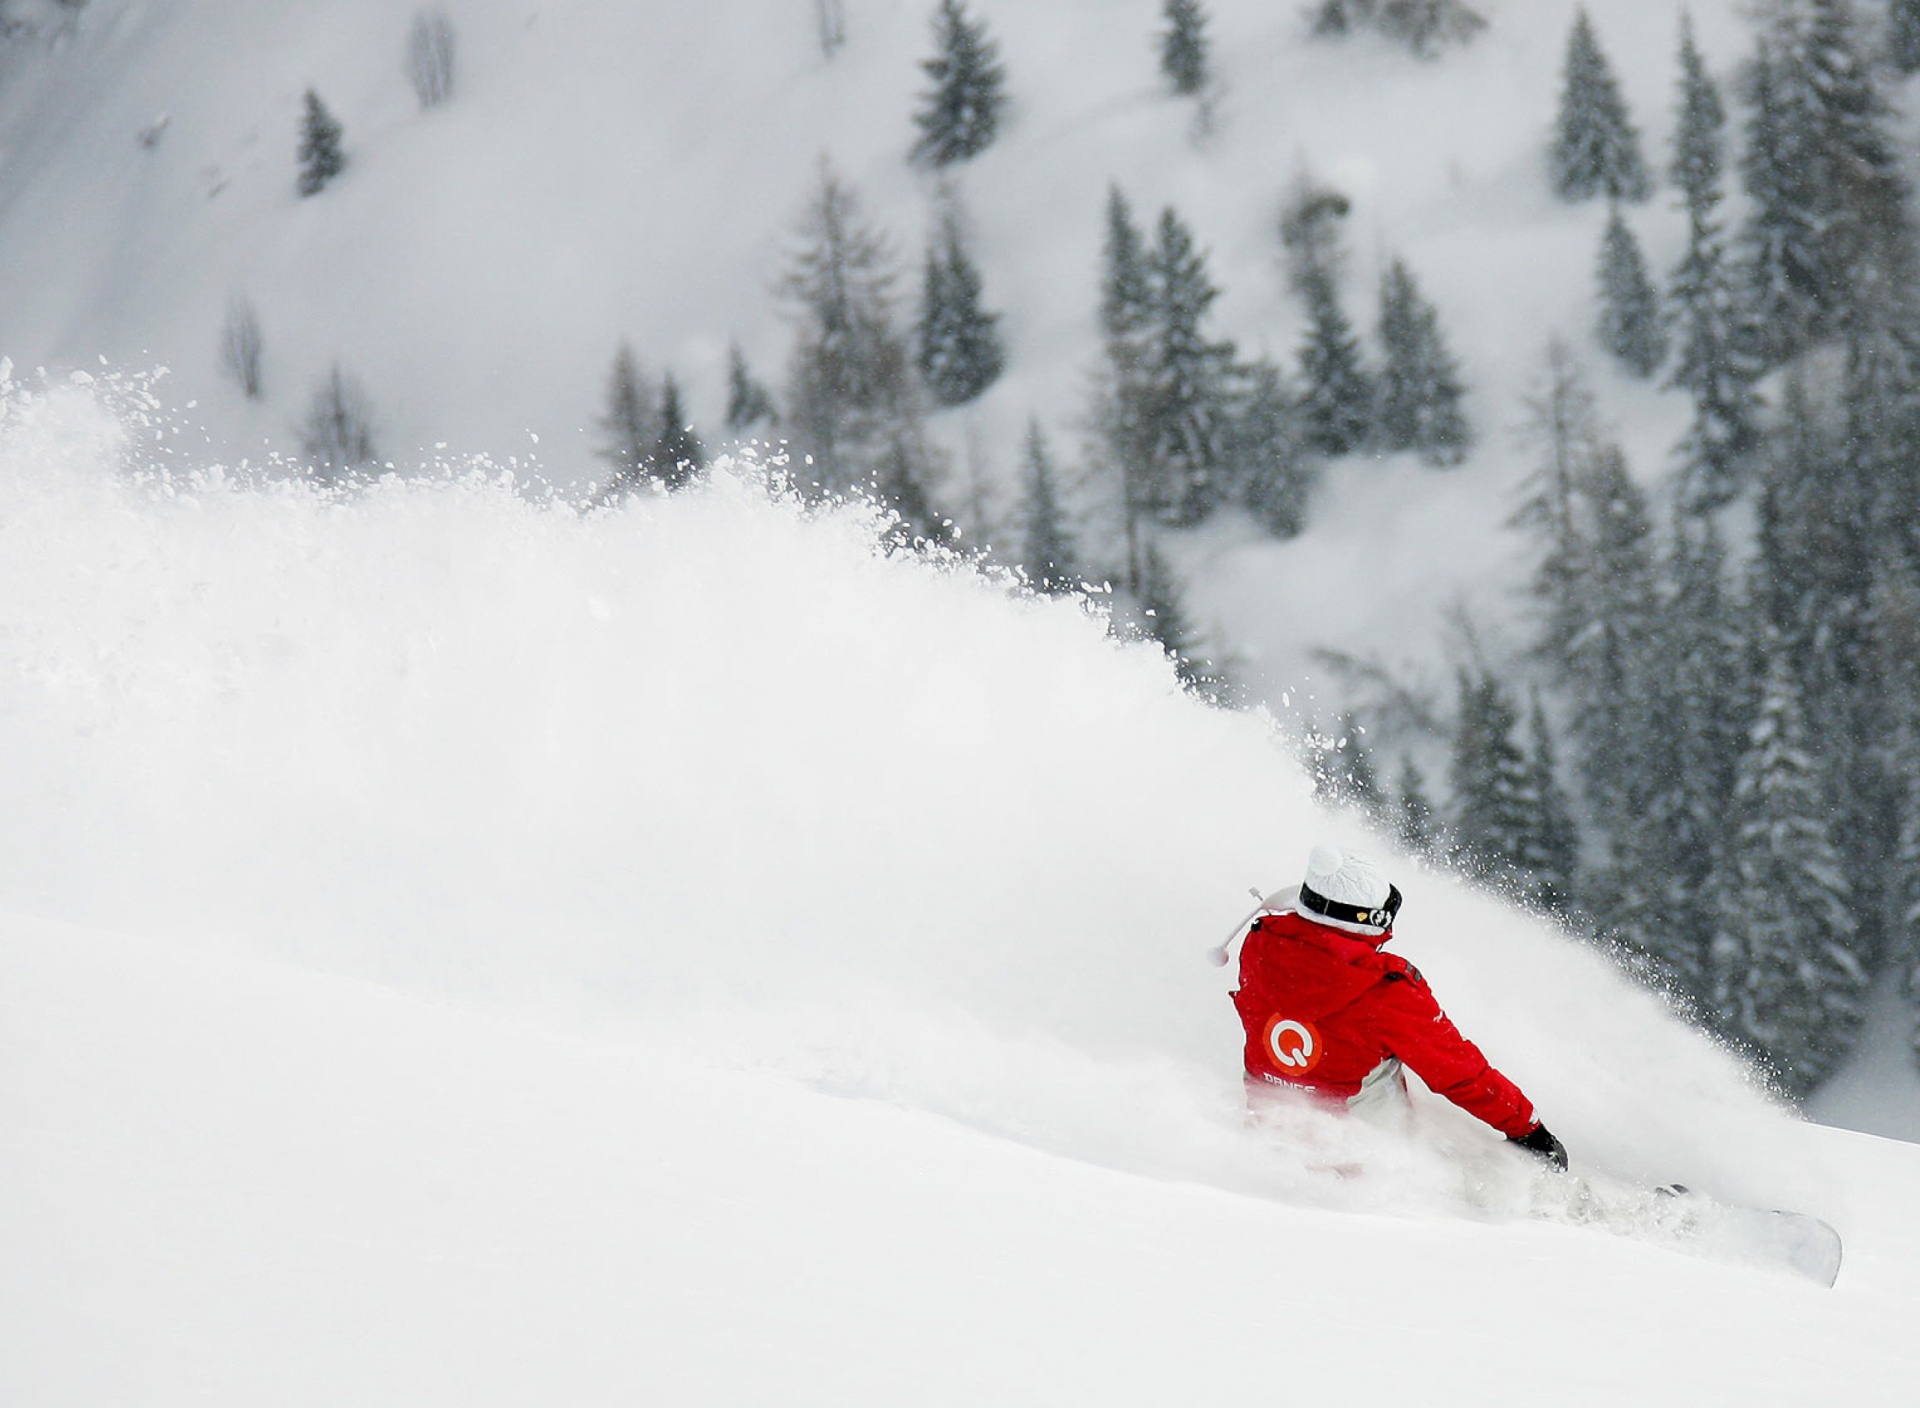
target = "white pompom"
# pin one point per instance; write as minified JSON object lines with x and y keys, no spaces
{"x":1324,"y":860}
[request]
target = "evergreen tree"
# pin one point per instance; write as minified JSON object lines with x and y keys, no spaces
{"x":321,"y":157}
{"x":1829,"y":240}
{"x":1165,"y":616}
{"x":1492,"y":814}
{"x":1597,"y":587}
{"x":1183,"y":46}
{"x":337,"y":436}
{"x":960,"y":353}
{"x":1337,"y":391}
{"x":1270,"y":465}
{"x":1186,"y":406}
{"x":631,"y":425}
{"x":853,"y":399}
{"x":1419,"y":386}
{"x":1424,"y":26}
{"x":1607,"y":652}
{"x":1897,"y":646}
{"x":1703,"y":303}
{"x":1415,"y":827}
{"x":749,"y":403}
{"x":1702,"y":693}
{"x":1697,"y":167}
{"x":1126,"y":316}
{"x":677,"y":454}
{"x":1047,"y":550}
{"x":960,"y":115}
{"x":1596,"y":149}
{"x":1630,"y":325}
{"x":1782,"y":970}
{"x":1346,"y":772}
{"x":1867,"y":233}
{"x":1903,"y":35}
{"x":1550,"y":848}
{"x":1779,"y":251}
{"x":1337,"y":396}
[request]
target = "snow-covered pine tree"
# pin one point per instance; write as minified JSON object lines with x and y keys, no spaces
{"x":1491,"y":814}
{"x":1345,"y":770}
{"x":900,"y":479}
{"x":1829,"y":238}
{"x":749,"y":403}
{"x":1903,"y":35}
{"x":320,"y":154}
{"x":1414,"y":824}
{"x":1782,"y":971}
{"x":1606,"y":650}
{"x":1781,"y":265}
{"x":960,"y":114}
{"x":1183,"y":46}
{"x":1703,"y":699}
{"x":1270,"y":466}
{"x":1867,"y":232}
{"x":1047,"y":550}
{"x":1596,"y":149}
{"x":1419,"y":385}
{"x":852,"y":397}
{"x":1562,"y":426}
{"x":677,"y":454}
{"x":1164,"y":616}
{"x":1854,"y":518}
{"x":336,"y":438}
{"x":1897,"y":642}
{"x":1549,"y":860}
{"x":960,"y":351}
{"x":1424,"y":26}
{"x":1187,"y":406}
{"x":630,"y":426}
{"x":1630,"y":325}
{"x":1126,"y":316}
{"x":1337,"y":395}
{"x":1703,"y":302}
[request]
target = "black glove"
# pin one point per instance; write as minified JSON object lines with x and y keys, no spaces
{"x":1539,"y":1141}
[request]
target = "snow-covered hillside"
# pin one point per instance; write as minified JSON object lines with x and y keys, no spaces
{"x":628,"y":841}
{"x":619,"y":171}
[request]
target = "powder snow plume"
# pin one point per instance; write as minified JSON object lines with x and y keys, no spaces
{"x":723,"y":772}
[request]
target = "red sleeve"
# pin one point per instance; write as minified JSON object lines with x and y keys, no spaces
{"x":1413,"y":1027}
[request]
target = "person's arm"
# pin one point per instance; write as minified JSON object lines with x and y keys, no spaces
{"x":1413,"y":1027}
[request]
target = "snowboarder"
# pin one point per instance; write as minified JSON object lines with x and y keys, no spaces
{"x":1328,"y":1012}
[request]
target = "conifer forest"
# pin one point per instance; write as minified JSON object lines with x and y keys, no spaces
{"x":1705,"y":753}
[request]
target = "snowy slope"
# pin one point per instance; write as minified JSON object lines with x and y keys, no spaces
{"x":435,"y":924}
{"x":228,"y":1183}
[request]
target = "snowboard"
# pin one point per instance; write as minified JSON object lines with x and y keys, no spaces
{"x":1692,"y":1222}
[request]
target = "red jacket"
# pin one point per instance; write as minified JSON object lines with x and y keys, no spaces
{"x":1323,"y":1008}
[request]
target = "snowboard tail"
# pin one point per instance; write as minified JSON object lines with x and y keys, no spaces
{"x":1691,"y":1222}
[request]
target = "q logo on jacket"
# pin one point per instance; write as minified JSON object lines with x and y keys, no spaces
{"x":1295,"y":1046}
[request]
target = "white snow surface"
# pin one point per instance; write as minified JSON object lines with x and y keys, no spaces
{"x":453,"y":950}
{"x":459,"y":951}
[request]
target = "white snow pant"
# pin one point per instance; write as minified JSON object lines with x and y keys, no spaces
{"x":1382,"y":1100}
